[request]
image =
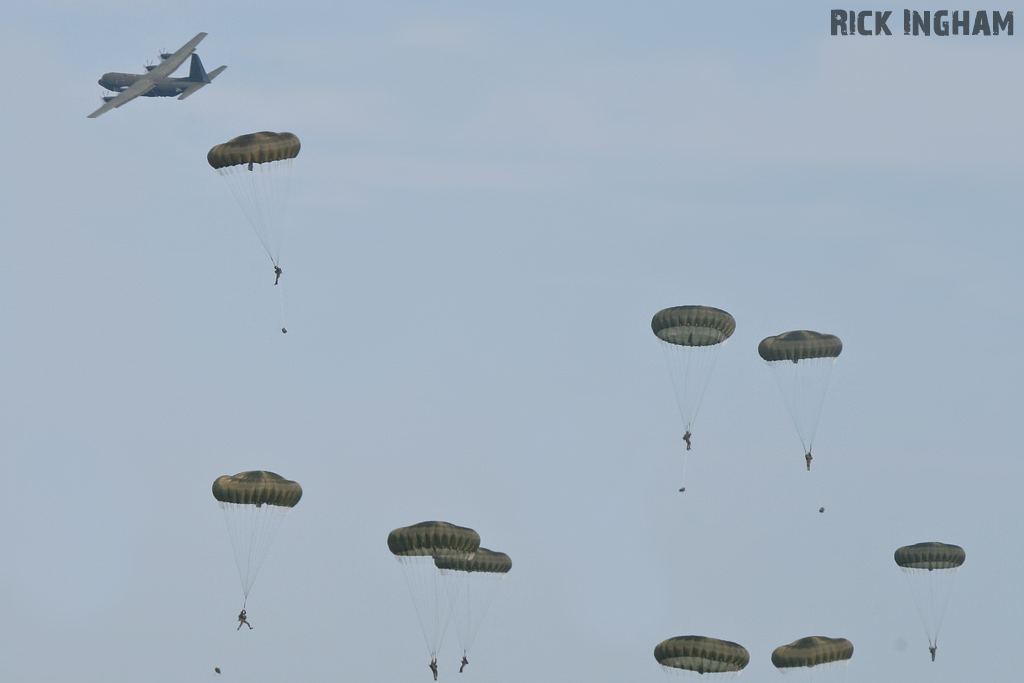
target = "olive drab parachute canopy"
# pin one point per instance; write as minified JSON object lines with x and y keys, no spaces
{"x":254,"y":148}
{"x":433,"y":538}
{"x":815,"y":658}
{"x":702,"y":656}
{"x":800,"y":345}
{"x":479,"y":577}
{"x":930,"y":556}
{"x":691,"y":337}
{"x":801,"y":362}
{"x":257,"y":168}
{"x":254,"y":505}
{"x":930,"y":569}
{"x":484,"y":561}
{"x":433,"y":591}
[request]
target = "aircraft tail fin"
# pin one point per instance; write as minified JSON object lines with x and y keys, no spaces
{"x":196,"y":86}
{"x":197,"y":74}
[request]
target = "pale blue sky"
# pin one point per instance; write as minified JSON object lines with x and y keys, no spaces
{"x":489,"y":206}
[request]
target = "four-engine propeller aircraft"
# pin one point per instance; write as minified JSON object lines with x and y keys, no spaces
{"x":157,"y":82}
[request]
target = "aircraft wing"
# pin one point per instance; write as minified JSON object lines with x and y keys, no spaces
{"x":136,"y":89}
{"x":170,"y":65}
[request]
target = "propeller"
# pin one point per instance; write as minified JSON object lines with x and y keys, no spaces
{"x":164,"y":54}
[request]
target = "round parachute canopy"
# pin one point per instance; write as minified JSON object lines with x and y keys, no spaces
{"x":812,"y":651}
{"x":800,"y":345}
{"x":701,"y":655}
{"x":254,"y":148}
{"x":483,"y":560}
{"x":433,"y":538}
{"x":257,"y":488}
{"x":930,"y":556}
{"x":693,"y":325}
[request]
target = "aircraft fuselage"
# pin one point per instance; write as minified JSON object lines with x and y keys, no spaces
{"x":165,"y":87}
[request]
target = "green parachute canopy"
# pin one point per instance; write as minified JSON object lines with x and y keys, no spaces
{"x":483,"y":560}
{"x":701,"y":655}
{"x":257,"y":488}
{"x":254,"y":148}
{"x":800,"y":345}
{"x":433,"y":538}
{"x":693,"y":325}
{"x":930,"y":556}
{"x":812,"y":651}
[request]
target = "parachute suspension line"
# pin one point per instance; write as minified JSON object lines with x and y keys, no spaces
{"x":803,"y":386}
{"x":284,"y":326}
{"x":834,"y":672}
{"x":472,"y":604}
{"x":930,"y":590}
{"x":433,"y":594}
{"x":817,"y":490}
{"x":252,"y":530}
{"x":246,"y":583}
{"x":693,"y":675}
{"x":683,"y":479}
{"x":261,"y":193}
{"x":690,"y":368}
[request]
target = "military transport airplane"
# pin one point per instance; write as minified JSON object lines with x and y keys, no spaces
{"x":157,"y":82}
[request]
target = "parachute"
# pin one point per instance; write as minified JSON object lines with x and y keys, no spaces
{"x":257,"y":168}
{"x":702,"y":656}
{"x":254,"y":505}
{"x":479,"y":577}
{"x":930,"y":569}
{"x":691,"y":337}
{"x":433,"y":591}
{"x":815,"y":658}
{"x":801,"y":362}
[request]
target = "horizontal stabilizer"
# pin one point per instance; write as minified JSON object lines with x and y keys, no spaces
{"x":196,"y":86}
